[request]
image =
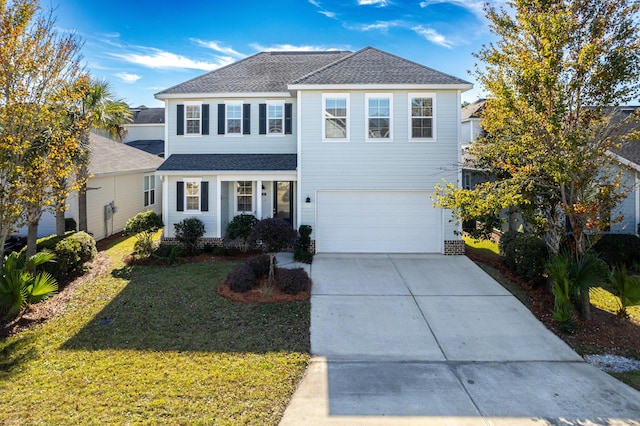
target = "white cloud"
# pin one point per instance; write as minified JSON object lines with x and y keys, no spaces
{"x":379,"y":26}
{"x":315,"y":3}
{"x":290,"y":48}
{"x":474,"y":6}
{"x":215,"y":45}
{"x":379,"y":3}
{"x":433,"y":36}
{"x":127,"y":77}
{"x":160,"y":59}
{"x":328,"y":14}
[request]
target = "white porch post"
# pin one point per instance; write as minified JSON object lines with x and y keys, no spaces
{"x":259,"y":199}
{"x":219,"y":207}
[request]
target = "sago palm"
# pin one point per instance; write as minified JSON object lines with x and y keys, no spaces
{"x":626,"y":287}
{"x":20,"y":287}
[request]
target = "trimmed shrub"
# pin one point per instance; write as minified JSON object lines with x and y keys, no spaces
{"x":241,"y":226}
{"x":70,"y":225}
{"x":275,"y":234}
{"x":188,"y":232}
{"x":242,"y":279}
{"x":88,"y":250}
{"x":67,"y":259}
{"x":526,"y":255}
{"x":303,"y":244}
{"x":618,"y":249}
{"x":260,"y":265}
{"x":143,"y":226}
{"x":293,"y":281}
{"x":167,"y":252}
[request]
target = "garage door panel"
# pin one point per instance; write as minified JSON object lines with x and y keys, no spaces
{"x":377,"y":221}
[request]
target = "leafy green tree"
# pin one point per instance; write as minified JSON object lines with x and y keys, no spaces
{"x":554,"y":77}
{"x":38,"y":73}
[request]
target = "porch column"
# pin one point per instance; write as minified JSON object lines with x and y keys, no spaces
{"x":259,"y":199}
{"x":218,"y":207}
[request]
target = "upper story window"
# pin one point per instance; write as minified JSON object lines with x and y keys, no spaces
{"x":149,"y":190}
{"x":335,"y":123}
{"x":192,"y":118}
{"x":234,"y":119}
{"x":379,"y":116}
{"x":275,"y":119}
{"x":422,"y":124}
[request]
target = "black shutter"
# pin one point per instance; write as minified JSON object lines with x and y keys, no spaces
{"x":288,"y":110}
{"x":262,"y":119}
{"x":246,"y":119}
{"x":205,"y":119}
{"x":180,"y":196}
{"x":204,"y":196}
{"x":221,"y":119}
{"x":180,"y":120}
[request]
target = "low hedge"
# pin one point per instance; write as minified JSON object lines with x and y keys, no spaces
{"x":526,"y":255}
{"x":71,"y":252}
{"x":618,"y":249}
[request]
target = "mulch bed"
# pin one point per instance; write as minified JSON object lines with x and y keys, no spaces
{"x":263,"y":293}
{"x":605,"y":333}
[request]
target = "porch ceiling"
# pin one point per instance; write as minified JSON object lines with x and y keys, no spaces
{"x":230,"y":162}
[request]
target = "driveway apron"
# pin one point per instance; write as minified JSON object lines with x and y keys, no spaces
{"x":434,"y":340}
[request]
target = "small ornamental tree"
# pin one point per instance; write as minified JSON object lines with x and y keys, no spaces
{"x":274,"y":235}
{"x":143,"y":226}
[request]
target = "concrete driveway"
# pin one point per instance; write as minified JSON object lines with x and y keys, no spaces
{"x":433,"y":340}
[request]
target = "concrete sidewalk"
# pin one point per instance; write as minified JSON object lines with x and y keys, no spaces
{"x":431,"y":339}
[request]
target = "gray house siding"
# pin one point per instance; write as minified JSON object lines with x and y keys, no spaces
{"x":253,"y":143}
{"x":174,"y":216}
{"x":361,"y":165}
{"x":628,"y":207}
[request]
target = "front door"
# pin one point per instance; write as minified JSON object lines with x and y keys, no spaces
{"x":283,"y":201}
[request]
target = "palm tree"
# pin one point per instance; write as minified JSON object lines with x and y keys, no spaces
{"x":102,"y":111}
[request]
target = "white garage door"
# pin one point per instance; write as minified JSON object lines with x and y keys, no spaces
{"x":377,"y":221}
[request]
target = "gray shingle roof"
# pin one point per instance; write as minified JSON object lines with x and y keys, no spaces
{"x":264,"y":72}
{"x":473,"y":110}
{"x":230,"y":162}
{"x":148,"y":116}
{"x":630,"y":150}
{"x":373,"y":66}
{"x":152,"y":146}
{"x":109,"y":157}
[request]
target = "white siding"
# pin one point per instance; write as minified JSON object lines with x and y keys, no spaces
{"x":627,"y":208}
{"x":208,"y":218}
{"x":213,"y":143}
{"x":144,"y":132}
{"x":399,"y":165}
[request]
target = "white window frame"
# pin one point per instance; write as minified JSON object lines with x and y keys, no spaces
{"x":369,"y":96}
{"x":236,"y":195}
{"x":226,"y":118}
{"x":281,"y":105}
{"x":188,"y":181}
{"x":412,"y":96}
{"x":325,"y":97}
{"x":149,"y":190}
{"x":188,"y":104}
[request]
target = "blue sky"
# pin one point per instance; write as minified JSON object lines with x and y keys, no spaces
{"x":142,"y":47}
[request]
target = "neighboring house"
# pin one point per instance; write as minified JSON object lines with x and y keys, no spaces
{"x":626,"y":157}
{"x":122,"y":184}
{"x":351,"y":144}
{"x":471,"y":116}
{"x":146,"y":131}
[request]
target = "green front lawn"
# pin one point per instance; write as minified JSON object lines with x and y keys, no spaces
{"x":150,"y":345}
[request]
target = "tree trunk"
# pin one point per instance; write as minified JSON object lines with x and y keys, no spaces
{"x":33,"y":218}
{"x":82,"y":199}
{"x":513,"y":224}
{"x":585,"y":303}
{"x":272,"y":269}
{"x":60,"y":225}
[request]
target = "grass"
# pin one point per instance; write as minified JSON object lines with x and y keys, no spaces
{"x":603,"y":299}
{"x":148,"y":345}
{"x":486,"y":246}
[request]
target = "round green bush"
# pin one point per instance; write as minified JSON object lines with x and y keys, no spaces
{"x":88,"y":250}
{"x":526,"y":255}
{"x":618,"y":249}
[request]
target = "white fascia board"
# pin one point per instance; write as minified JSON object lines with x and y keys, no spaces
{"x":325,"y":87}
{"x":223,"y":95}
{"x":623,"y":160}
{"x":144,"y":125}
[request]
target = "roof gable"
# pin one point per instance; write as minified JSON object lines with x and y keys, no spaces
{"x":266,"y":72}
{"x":473,"y":110}
{"x":373,"y":66}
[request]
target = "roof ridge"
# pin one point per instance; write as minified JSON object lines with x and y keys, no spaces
{"x":211,"y":72}
{"x":327,"y":66}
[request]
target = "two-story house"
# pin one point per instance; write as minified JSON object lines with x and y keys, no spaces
{"x":351,"y":144}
